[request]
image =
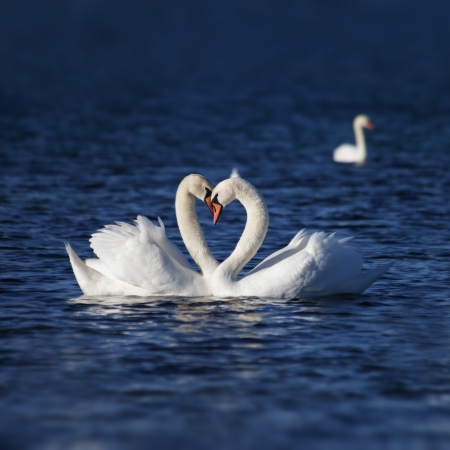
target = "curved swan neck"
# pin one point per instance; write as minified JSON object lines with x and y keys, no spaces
{"x":190,"y":230}
{"x":254,"y":232}
{"x":360,"y":139}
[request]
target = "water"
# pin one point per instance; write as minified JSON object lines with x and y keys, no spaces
{"x":97,"y":125}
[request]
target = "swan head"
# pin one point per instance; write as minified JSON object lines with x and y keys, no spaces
{"x":200,"y":187}
{"x":362,"y":121}
{"x":225,"y":192}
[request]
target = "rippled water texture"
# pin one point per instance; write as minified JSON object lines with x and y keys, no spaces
{"x":104,"y":109}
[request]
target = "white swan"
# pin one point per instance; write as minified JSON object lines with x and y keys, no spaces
{"x":140,"y":260}
{"x":312,"y":264}
{"x":347,"y":153}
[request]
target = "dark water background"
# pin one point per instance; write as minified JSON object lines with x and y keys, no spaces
{"x":105,"y":107}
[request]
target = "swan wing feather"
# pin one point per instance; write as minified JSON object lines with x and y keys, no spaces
{"x":327,"y":264}
{"x":141,"y":255}
{"x":297,"y":244}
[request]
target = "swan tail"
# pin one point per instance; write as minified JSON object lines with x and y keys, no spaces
{"x":86,"y":277}
{"x":364,"y":280}
{"x":340,"y":265}
{"x":101,"y":281}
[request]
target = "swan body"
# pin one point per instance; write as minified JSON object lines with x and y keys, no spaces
{"x":140,"y":260}
{"x":312,"y":264}
{"x":348,"y":153}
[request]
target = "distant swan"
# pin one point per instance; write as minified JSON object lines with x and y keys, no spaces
{"x":312,"y":264}
{"x":140,"y":260}
{"x":347,"y":153}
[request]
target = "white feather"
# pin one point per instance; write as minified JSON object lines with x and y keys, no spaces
{"x":312,"y":264}
{"x":138,"y":259}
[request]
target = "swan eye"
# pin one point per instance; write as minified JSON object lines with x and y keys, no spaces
{"x":208,"y":193}
{"x":207,"y":200}
{"x":216,"y":200}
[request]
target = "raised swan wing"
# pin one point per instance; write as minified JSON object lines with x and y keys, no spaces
{"x":141,"y":255}
{"x":297,"y":244}
{"x":313,"y":264}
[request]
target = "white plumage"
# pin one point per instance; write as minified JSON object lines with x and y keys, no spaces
{"x":348,"y":153}
{"x":312,"y":264}
{"x":140,"y":260}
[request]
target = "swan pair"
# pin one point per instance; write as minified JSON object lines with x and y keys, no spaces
{"x":140,"y":260}
{"x":347,"y":153}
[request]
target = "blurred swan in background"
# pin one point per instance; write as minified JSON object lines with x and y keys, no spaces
{"x":140,"y":260}
{"x":312,"y":264}
{"x":234,"y":173}
{"x":348,"y":153}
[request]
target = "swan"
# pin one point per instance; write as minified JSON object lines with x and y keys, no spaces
{"x":312,"y":264}
{"x":347,"y":153}
{"x":140,"y":260}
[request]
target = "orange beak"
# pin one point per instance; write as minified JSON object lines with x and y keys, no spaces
{"x":370,"y":126}
{"x":209,"y":204}
{"x":217,"y":207}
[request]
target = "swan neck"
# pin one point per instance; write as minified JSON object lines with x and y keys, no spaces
{"x":360,"y":139}
{"x":191,"y":232}
{"x":253,"y":235}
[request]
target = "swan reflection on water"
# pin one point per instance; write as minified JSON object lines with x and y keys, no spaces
{"x":181,"y":308}
{"x":248,"y":311}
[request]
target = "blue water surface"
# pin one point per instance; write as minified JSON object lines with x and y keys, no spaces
{"x":104,"y":108}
